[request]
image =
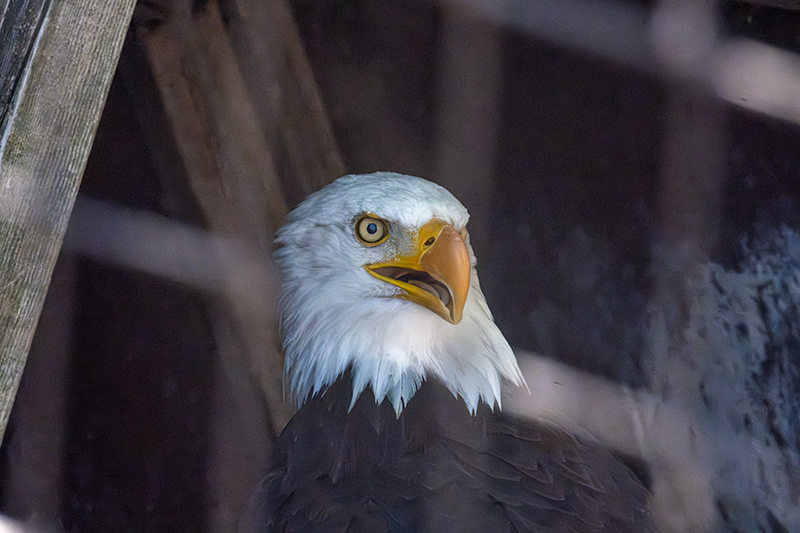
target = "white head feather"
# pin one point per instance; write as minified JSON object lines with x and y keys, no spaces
{"x":335,"y":315}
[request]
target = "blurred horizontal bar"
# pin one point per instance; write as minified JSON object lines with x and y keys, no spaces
{"x":759,"y":77}
{"x":610,"y":29}
{"x":159,"y":246}
{"x":743,"y":72}
{"x":674,"y":444}
{"x":9,"y":525}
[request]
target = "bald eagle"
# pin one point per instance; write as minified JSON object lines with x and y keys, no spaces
{"x":396,"y":365}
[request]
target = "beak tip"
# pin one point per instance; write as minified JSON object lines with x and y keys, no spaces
{"x":444,"y":257}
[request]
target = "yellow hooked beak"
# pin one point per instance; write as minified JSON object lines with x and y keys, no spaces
{"x":436,"y":275}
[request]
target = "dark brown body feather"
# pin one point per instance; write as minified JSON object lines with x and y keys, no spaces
{"x":438,"y":469}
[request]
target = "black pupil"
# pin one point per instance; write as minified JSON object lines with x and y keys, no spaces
{"x":372,"y":228}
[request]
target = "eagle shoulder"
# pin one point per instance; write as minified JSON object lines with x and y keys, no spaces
{"x":436,"y":468}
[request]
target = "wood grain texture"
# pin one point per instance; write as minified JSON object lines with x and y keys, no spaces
{"x":19,"y":25}
{"x":230,"y":164}
{"x":228,"y":161}
{"x":46,"y":141}
{"x":251,"y":130}
{"x":278,"y":76}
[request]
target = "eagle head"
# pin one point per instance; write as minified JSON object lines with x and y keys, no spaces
{"x":378,"y":277}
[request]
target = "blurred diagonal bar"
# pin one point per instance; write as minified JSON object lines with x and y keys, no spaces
{"x":759,"y":77}
{"x":639,"y":424}
{"x":744,"y":72}
{"x":614,"y":30}
{"x":158,"y":246}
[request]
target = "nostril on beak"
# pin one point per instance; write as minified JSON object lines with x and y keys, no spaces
{"x":430,"y":241}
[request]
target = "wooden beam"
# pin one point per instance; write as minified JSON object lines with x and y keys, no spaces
{"x":213,"y":120}
{"x":250,"y":129}
{"x":291,"y":112}
{"x":229,"y":165}
{"x":45,"y":143}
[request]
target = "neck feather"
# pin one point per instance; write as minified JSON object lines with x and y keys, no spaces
{"x":392,"y":346}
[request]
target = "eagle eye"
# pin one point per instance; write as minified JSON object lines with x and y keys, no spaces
{"x":371,"y":230}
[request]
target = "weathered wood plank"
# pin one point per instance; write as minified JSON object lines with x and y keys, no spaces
{"x":47,"y":138}
{"x":228,"y":161}
{"x":19,"y":24}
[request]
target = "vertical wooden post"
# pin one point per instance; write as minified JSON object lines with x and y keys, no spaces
{"x":48,"y":133}
{"x":470,"y":75}
{"x":692,"y":178}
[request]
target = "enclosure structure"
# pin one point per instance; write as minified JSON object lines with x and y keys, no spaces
{"x":630,"y":171}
